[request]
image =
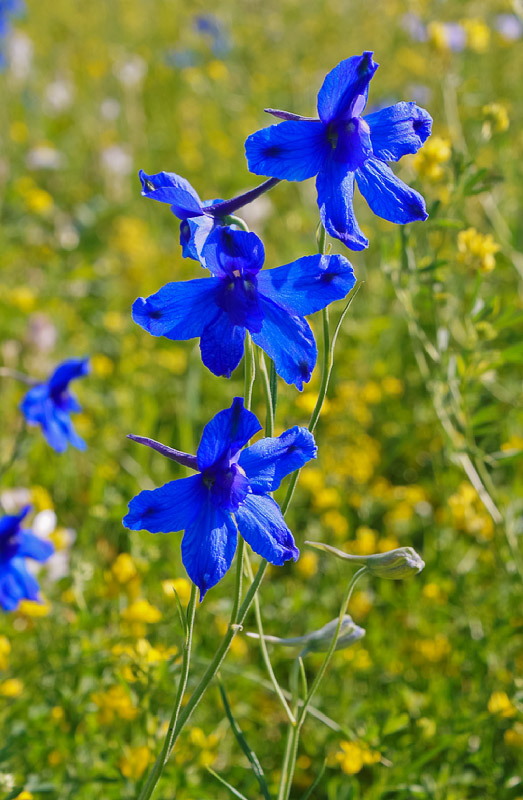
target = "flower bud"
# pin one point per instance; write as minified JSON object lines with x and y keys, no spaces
{"x":394,"y":565}
{"x":319,"y":641}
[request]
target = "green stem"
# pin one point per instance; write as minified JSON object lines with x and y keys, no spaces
{"x":155,"y":774}
{"x":265,"y":652}
{"x":294,"y":732}
{"x":269,"y":413}
{"x":231,"y":219}
{"x":249,"y":373}
{"x":15,"y":452}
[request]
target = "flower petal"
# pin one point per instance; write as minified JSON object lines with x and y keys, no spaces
{"x":308,"y":284}
{"x":66,"y":372}
{"x":398,"y":130}
{"x":10,"y":591}
{"x":261,"y":524}
{"x":335,"y":186}
{"x":228,"y":251}
{"x":180,"y":310}
{"x":268,"y":461}
{"x":226,"y":433}
{"x":170,"y":508}
{"x":221,"y":345}
{"x":387,"y":196}
{"x":343,"y":85}
{"x":208,"y":546}
{"x":32,"y":546}
{"x":193,"y":235}
{"x":291,"y":150}
{"x":10,"y":523}
{"x":289,"y":341}
{"x":28,"y":585}
{"x":167,"y":187}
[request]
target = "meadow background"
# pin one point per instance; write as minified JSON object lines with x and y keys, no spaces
{"x":421,"y":439}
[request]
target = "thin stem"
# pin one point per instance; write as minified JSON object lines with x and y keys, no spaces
{"x":5,"y":372}
{"x":160,"y":762}
{"x":17,"y":444}
{"x":231,"y":219}
{"x":249,"y":372}
{"x":269,"y":413}
{"x":265,"y":652}
{"x":294,"y":733}
{"x":226,"y":207}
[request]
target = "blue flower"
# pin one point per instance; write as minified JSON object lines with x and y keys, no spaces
{"x":229,"y":493}
{"x":49,"y":405}
{"x":8,"y":8}
{"x":16,"y":582}
{"x":198,"y":218}
{"x":270,"y":304}
{"x":341,"y":147}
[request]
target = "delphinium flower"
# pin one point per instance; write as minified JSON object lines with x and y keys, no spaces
{"x":49,"y":405}
{"x":198,"y":218}
{"x":342,"y":147}
{"x":16,"y":582}
{"x":230,"y":492}
{"x":239,"y":297}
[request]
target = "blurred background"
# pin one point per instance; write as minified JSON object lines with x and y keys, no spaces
{"x":421,"y":439}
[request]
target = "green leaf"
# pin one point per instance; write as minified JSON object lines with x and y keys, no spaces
{"x":315,"y":783}
{"x":233,"y":791}
{"x":240,"y":738}
{"x":395,"y":724}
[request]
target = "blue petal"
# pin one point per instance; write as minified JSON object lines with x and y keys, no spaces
{"x":228,"y":251}
{"x":226,"y":433}
{"x":288,"y":340}
{"x":230,"y":488}
{"x":387,"y":196}
{"x":40,"y":409}
{"x":343,"y":85}
{"x":398,"y":130}
{"x":10,"y":523}
{"x":32,"y":546}
{"x":221,"y":345}
{"x":29,"y":589}
{"x":291,"y":150}
{"x":170,"y":508}
{"x":178,"y":311}
{"x":66,"y":372}
{"x":167,"y":187}
{"x":193,"y":235}
{"x":208,"y":546}
{"x":11,"y":592}
{"x":308,"y":284}
{"x":335,"y":186}
{"x":261,"y":524}
{"x":268,"y":461}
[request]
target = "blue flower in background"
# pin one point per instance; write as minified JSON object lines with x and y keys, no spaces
{"x":198,"y":218}
{"x":8,"y":8}
{"x":16,"y":582}
{"x":270,"y":304}
{"x":230,"y":492}
{"x":50,"y":404}
{"x":211,"y":26}
{"x":342,"y":146}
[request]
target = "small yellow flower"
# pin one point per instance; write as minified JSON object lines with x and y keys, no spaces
{"x":124,"y":568}
{"x":182,"y":587}
{"x":513,"y":737}
{"x":307,"y":564}
{"x":429,"y":160}
{"x":113,"y":704}
{"x":31,"y":608}
{"x":135,"y":761}
{"x":101,"y":365}
{"x":477,"y":35}
{"x":477,"y":250}
{"x":24,"y":795}
{"x":354,"y":756}
{"x":11,"y":688}
{"x":141,"y":611}
{"x":54,"y":758}
{"x":500,"y":703}
{"x":515,"y":442}
{"x":5,"y":649}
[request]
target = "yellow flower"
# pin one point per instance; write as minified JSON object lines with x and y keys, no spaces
{"x":477,"y":250}
{"x":477,"y":34}
{"x":135,"y":761}
{"x":5,"y":649}
{"x":428,"y":161}
{"x":392,"y":386}
{"x":141,"y":611}
{"x":336,"y":522}
{"x":499,"y":703}
{"x":31,"y":608}
{"x":515,"y":442}
{"x":356,"y":755}
{"x":54,"y":758}
{"x":307,"y":565}
{"x":101,"y":365}
{"x":182,"y":587}
{"x":496,"y":119}
{"x":11,"y":688}
{"x":114,"y":703}
{"x":24,"y":795}
{"x":23,"y":298}
{"x":124,"y":568}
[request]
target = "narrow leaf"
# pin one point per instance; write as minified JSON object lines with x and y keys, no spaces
{"x":233,"y":791}
{"x":315,"y":783}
